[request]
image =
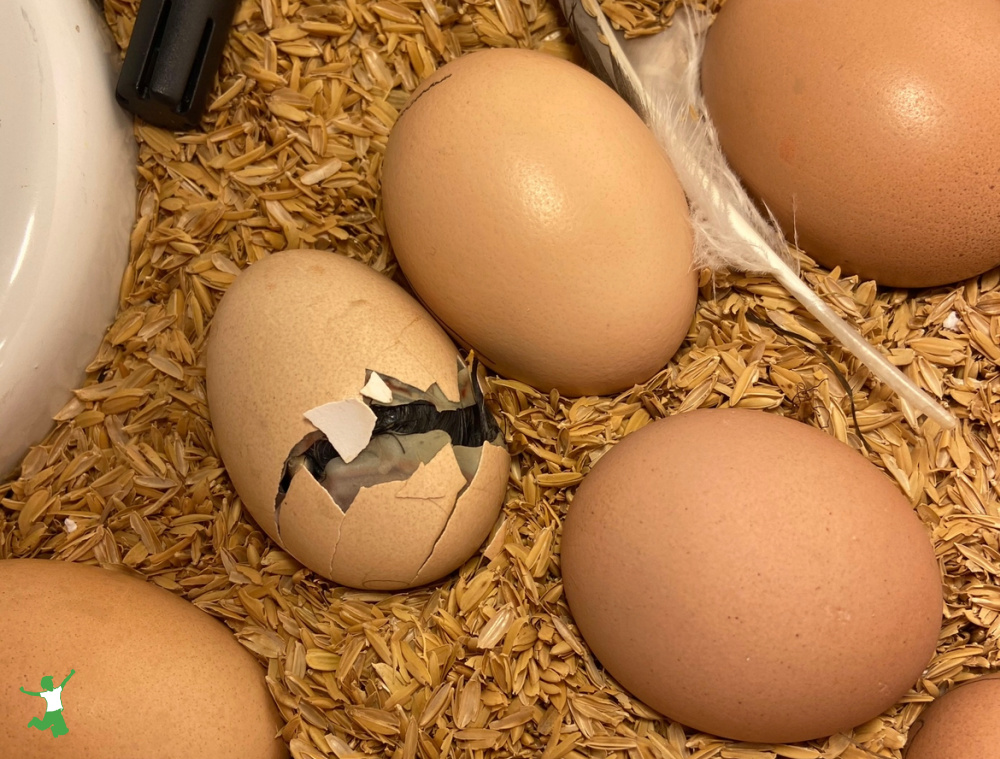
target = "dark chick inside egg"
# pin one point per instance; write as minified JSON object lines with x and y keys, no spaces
{"x":409,"y":431}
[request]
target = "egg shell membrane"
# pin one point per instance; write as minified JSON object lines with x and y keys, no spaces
{"x":264,"y":370}
{"x":397,"y":534}
{"x":154,"y":675}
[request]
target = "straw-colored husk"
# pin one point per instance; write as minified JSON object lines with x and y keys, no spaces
{"x":487,"y":664}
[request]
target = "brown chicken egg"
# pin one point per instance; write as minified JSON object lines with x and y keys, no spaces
{"x":751,"y":576}
{"x":964,"y":723}
{"x":868,"y":129}
{"x":350,"y":427}
{"x":98,"y":664}
{"x":537,"y":217}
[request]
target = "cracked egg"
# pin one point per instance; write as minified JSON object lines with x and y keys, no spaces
{"x":350,"y":427}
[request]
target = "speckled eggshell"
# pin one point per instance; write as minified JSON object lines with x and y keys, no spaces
{"x":751,"y":576}
{"x":300,"y":329}
{"x":964,"y":723}
{"x":872,"y":127}
{"x":537,"y":217}
{"x":155,"y":677}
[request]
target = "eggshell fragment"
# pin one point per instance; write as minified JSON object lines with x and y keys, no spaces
{"x":310,"y":522}
{"x":376,"y":389}
{"x":154,"y":675}
{"x":383,"y":546}
{"x":751,"y":576}
{"x":439,"y":482}
{"x":537,"y":217}
{"x":348,"y":425}
{"x":338,"y":405}
{"x":964,"y":723}
{"x":468,"y":519}
{"x":868,"y":129}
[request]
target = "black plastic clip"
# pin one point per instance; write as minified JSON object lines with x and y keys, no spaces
{"x":172,"y":59}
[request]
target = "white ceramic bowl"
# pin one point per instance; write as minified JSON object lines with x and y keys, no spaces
{"x":67,"y":205}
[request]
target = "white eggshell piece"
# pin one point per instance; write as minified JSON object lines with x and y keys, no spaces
{"x":348,"y":425}
{"x":376,"y":389}
{"x":309,"y":521}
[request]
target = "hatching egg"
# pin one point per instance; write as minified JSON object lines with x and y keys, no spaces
{"x":537,"y":217}
{"x":348,"y":424}
{"x":868,"y":129}
{"x":964,"y":723}
{"x":97,"y":663}
{"x":751,"y":576}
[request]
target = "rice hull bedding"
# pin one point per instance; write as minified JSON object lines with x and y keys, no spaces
{"x":486,"y":662}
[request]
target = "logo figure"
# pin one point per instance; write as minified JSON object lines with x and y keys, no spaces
{"x":53,"y":718}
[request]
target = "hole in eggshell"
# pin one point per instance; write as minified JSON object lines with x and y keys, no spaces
{"x":387,"y":458}
{"x":409,"y":507}
{"x":409,"y":431}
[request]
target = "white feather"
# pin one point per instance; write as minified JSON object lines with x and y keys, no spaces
{"x":661,"y":78}
{"x":666,"y":68}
